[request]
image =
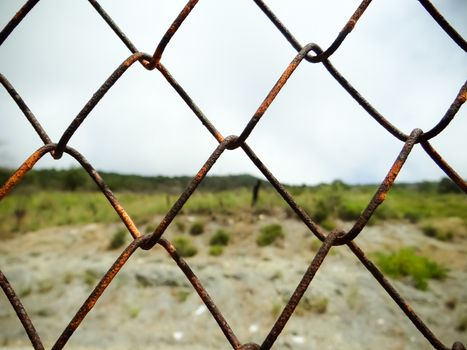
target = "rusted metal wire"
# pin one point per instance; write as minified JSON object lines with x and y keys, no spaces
{"x":311,"y":53}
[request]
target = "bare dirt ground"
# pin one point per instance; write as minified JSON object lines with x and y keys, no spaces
{"x":151,"y":305}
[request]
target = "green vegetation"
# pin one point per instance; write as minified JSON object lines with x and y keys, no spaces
{"x":197,"y":228}
{"x":315,"y":244}
{"x":78,"y":179}
{"x":181,"y":295}
{"x":441,"y":232}
{"x":276,"y":309}
{"x":48,"y":198}
{"x":405,"y":263}
{"x":318,"y":305}
{"x":90,"y":278}
{"x":133,"y":311}
{"x":25,"y":291}
{"x":221,"y":238}
{"x":269,"y":234}
{"x":216,"y":250}
{"x":462,"y":323}
{"x":45,"y":286}
{"x":184,"y":246}
{"x":118,"y":239}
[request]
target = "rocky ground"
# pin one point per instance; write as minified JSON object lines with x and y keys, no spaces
{"x":151,"y":305}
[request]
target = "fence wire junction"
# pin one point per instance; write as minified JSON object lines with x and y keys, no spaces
{"x":311,"y":53}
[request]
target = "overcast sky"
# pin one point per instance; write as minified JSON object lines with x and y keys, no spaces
{"x":228,"y":55}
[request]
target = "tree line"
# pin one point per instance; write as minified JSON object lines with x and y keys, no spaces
{"x":76,"y":179}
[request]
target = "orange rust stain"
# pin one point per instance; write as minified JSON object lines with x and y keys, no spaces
{"x":394,"y":171}
{"x":382,"y":196}
{"x":351,"y":24}
{"x":128,"y":222}
{"x":20,"y":173}
{"x":219,"y":137}
{"x":129,"y":61}
{"x":463,"y":95}
{"x":201,"y":173}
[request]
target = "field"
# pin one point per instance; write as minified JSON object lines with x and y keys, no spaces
{"x":32,"y":209}
{"x":56,"y":245}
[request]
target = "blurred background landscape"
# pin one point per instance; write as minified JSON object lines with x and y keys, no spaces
{"x":59,"y":236}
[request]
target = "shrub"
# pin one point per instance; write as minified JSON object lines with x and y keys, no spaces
{"x":438,"y":233}
{"x":90,"y":277}
{"x":181,"y":295}
{"x":320,"y":212}
{"x":180,"y":225}
{"x":197,"y":228}
{"x":276,"y":309}
{"x":318,"y":305}
{"x":184,"y":246}
{"x":461,"y":324}
{"x":220,"y":238}
{"x":328,"y":224}
{"x":349,"y":212}
{"x":405,"y":263}
{"x":413,"y":216}
{"x":447,"y":186}
{"x":315,"y":245}
{"x":118,"y":239}
{"x":269,"y":234}
{"x":216,"y":250}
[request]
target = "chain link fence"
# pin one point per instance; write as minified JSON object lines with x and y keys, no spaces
{"x":311,"y":53}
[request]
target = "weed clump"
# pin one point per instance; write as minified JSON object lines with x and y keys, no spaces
{"x":221,"y":238}
{"x":405,"y":263}
{"x":435,"y":232}
{"x":216,"y":250}
{"x":197,"y":228}
{"x":462,"y":324}
{"x":185,"y":248}
{"x":118,"y":239}
{"x":317,"y":305}
{"x":90,"y":277}
{"x":269,"y":234}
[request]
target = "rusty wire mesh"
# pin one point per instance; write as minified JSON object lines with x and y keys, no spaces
{"x":311,"y":53}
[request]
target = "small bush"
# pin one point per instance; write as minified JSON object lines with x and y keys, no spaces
{"x":447,"y":186}
{"x":320,"y":212}
{"x":315,"y":245}
{"x":134,"y":311}
{"x":429,"y":231}
{"x":181,"y":295}
{"x":276,"y":309}
{"x":405,"y":263}
{"x":184,"y":247}
{"x":45,"y":286}
{"x":434,"y":232}
{"x":220,"y":238}
{"x":328,"y":224}
{"x":197,"y":228}
{"x":269,"y":234}
{"x":180,"y":225}
{"x":216,"y":250}
{"x":349,"y":212}
{"x":90,"y":277}
{"x":318,"y":305}
{"x":118,"y":239}
{"x":149,"y":228}
{"x":462,"y":324}
{"x":413,"y":216}
{"x":25,"y":291}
